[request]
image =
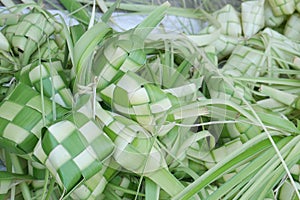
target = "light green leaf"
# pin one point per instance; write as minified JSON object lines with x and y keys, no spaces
{"x":4,"y":44}
{"x":85,"y":46}
{"x":77,"y":10}
{"x":152,"y":190}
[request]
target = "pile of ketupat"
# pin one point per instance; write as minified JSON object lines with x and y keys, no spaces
{"x":88,"y":112}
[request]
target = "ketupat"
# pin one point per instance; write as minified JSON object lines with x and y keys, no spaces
{"x":133,"y":143}
{"x":124,"y":51}
{"x":31,"y":31}
{"x":146,"y":103}
{"x":284,"y":7}
{"x":290,"y":30}
{"x":270,"y":19}
{"x":94,"y":187}
{"x":69,"y":164}
{"x":230,"y":21}
{"x":22,"y":115}
{"x":252,"y":17}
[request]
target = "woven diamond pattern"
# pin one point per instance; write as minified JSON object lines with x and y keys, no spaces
{"x":53,"y":77}
{"x":132,"y":142}
{"x":49,"y":49}
{"x":252,"y":17}
{"x":21,"y":118}
{"x":230,"y":21}
{"x":139,"y":99}
{"x":32,"y":30}
{"x":73,"y":150}
{"x":117,"y":56}
{"x":270,"y":19}
{"x":292,"y":30}
{"x":244,"y":61}
{"x":283,"y":7}
{"x":225,"y":45}
{"x":94,"y":186}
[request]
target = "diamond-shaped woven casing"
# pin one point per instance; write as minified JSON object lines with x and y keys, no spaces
{"x":225,"y":45}
{"x":245,"y":61}
{"x":144,"y":102}
{"x":270,"y":19}
{"x":117,"y":56}
{"x":252,"y":17}
{"x":230,"y":21}
{"x":21,"y":118}
{"x":132,"y":143}
{"x":283,"y":7}
{"x":93,"y":187}
{"x":73,"y":150}
{"x":31,"y":31}
{"x":53,"y":78}
{"x":292,"y":29}
{"x":49,"y":49}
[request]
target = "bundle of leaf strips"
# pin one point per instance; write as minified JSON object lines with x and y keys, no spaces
{"x":141,"y":115}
